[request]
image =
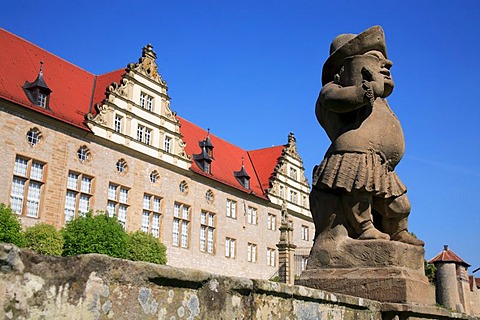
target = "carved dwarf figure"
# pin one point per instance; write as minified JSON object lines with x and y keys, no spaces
{"x":355,"y":185}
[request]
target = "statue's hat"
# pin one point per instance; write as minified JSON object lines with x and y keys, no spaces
{"x":346,"y":45}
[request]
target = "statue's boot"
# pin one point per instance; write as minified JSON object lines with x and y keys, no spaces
{"x":397,"y":228}
{"x":370,"y":232}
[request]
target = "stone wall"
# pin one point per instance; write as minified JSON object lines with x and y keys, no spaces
{"x":99,"y":287}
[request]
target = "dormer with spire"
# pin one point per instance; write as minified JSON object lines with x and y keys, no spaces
{"x":205,"y":157}
{"x":37,"y":91}
{"x":242,"y":176}
{"x":207,"y":144}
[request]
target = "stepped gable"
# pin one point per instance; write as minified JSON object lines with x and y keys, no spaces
{"x":265,"y":161}
{"x":227,"y":158}
{"x":71,"y":86}
{"x":448,"y":255}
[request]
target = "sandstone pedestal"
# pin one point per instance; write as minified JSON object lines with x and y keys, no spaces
{"x":387,"y":271}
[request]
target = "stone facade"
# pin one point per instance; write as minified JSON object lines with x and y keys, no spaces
{"x":131,"y":147}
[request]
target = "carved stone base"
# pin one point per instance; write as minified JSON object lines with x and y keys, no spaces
{"x":387,"y":284}
{"x":382,"y":270}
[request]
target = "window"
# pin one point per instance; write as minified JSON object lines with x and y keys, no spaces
{"x":151,"y":215}
{"x":183,"y":186}
{"x":144,"y":134}
{"x":121,"y":166}
{"x":304,"y":201}
{"x":34,"y":136}
{"x":140,"y":132}
{"x":281,"y":192}
{"x":207,"y":232}
{"x":293,"y":173}
{"x":231,"y":209}
{"x":304,"y":263}
{"x":28,"y":180}
{"x":149,"y":103}
{"x":304,"y":232}
{"x":117,"y":203}
{"x":42,"y":100}
{"x":83,"y":154}
{"x":167,"y":146}
{"x":181,"y":225}
{"x":230,"y":248}
{"x":146,"y":101}
{"x":293,"y":196}
{"x":252,"y":252}
{"x":252,"y":215}
{"x":78,"y":196}
{"x":272,"y":222}
{"x":118,"y":123}
{"x":148,"y":136}
{"x":209,"y":197}
{"x":154,"y":176}
{"x":271,"y":257}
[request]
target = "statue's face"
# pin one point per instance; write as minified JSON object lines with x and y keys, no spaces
{"x":381,"y":69}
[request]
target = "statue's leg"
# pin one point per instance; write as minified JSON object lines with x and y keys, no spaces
{"x":357,"y":208}
{"x":395,"y":211}
{"x":324,"y":207}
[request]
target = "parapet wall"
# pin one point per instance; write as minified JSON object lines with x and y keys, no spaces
{"x":99,"y":287}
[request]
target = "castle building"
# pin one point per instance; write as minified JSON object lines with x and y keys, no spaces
{"x":74,"y":142}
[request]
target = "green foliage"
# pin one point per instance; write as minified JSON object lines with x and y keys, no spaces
{"x":10,"y":227}
{"x":95,"y":234}
{"x":430,"y":271}
{"x":145,"y":247}
{"x":44,"y":239}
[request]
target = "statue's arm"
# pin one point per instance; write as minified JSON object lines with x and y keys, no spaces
{"x":340,"y":99}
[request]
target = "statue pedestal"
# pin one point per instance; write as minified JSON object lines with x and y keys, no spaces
{"x":387,"y":271}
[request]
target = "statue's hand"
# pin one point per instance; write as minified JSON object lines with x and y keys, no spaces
{"x":376,"y":81}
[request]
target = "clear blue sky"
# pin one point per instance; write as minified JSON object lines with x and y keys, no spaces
{"x":250,"y":71}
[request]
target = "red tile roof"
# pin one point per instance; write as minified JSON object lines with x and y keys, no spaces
{"x":71,"y":86}
{"x":228,"y":158}
{"x":448,"y":255}
{"x":101,"y":84}
{"x":264,"y":162}
{"x":71,"y":99}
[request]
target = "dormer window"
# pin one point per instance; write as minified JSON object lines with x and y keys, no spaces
{"x":203,"y":161}
{"x":37,"y":91}
{"x":242,"y":176}
{"x":205,"y":158}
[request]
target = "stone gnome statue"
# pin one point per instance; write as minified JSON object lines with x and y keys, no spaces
{"x":359,"y":205}
{"x":355,"y":186}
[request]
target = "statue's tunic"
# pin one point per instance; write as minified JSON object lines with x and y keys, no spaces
{"x":364,"y":153}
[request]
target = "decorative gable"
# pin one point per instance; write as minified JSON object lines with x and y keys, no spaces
{"x":288,"y":184}
{"x":133,"y":109}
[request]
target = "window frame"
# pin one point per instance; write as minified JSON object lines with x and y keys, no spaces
{"x":79,"y":192}
{"x":182,"y":222}
{"x":252,"y":215}
{"x":118,"y":203}
{"x":230,"y":247}
{"x":153,"y":211}
{"x":208,"y":227}
{"x":252,"y":252}
{"x":231,"y":208}
{"x":30,"y":196}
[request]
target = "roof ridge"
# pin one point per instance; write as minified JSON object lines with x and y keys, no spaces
{"x":255,"y":172}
